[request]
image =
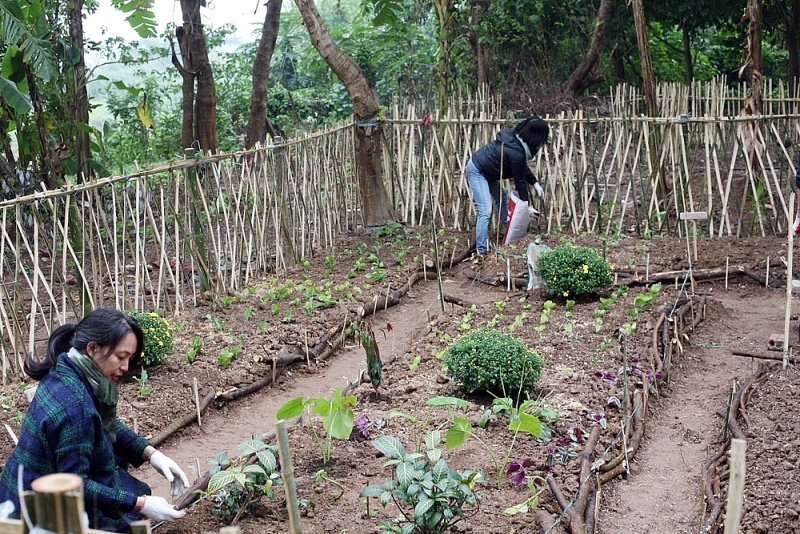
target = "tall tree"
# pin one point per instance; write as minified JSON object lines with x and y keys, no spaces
{"x":369,"y":137}
{"x":258,"y":124}
{"x":483,"y":61}
{"x":199,"y":124}
{"x":77,"y":90}
{"x":583,"y":77}
{"x":648,"y":80}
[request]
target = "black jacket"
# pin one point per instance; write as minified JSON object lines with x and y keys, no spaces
{"x":515,"y":166}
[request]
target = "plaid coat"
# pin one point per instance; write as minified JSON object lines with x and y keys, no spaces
{"x":63,"y":433}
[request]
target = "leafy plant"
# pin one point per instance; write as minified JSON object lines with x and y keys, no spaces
{"x":431,"y":497}
{"x":217,"y":322}
{"x":263,"y":325}
{"x":414,"y":365}
{"x":487,"y":360}
{"x":193,"y":351}
{"x":226,"y":302}
{"x":532,"y":502}
{"x":337,"y":417}
{"x":389,"y":229}
{"x":571,"y":271}
{"x":248,"y":313}
{"x":228,"y":355}
{"x":643,"y":300}
{"x":144,"y":388}
{"x":237,"y":484}
{"x":158,"y":336}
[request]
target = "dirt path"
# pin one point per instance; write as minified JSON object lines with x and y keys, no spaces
{"x":255,"y":415}
{"x":663,"y":493}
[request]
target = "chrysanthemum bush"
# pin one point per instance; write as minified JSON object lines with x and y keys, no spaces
{"x":488,"y":360}
{"x":158,"y":336}
{"x":569,"y":271}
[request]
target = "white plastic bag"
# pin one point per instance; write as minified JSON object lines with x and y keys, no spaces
{"x":517,"y":219}
{"x":534,"y":278}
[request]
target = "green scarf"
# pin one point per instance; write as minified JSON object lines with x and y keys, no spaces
{"x":104,"y":390}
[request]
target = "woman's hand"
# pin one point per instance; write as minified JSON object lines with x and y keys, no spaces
{"x":171,"y":471}
{"x":539,"y":190}
{"x":158,"y":509}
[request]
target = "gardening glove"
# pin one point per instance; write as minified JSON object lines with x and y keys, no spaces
{"x":171,"y":471}
{"x":539,"y":190}
{"x":158,"y":509}
{"x":533,"y":212}
{"x":797,"y":226}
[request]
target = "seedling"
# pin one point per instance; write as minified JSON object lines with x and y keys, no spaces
{"x":330,"y":261}
{"x":414,"y":365}
{"x":248,"y":313}
{"x":321,"y":476}
{"x":226,"y":302}
{"x":217,"y":322}
{"x":194,"y":351}
{"x":263,"y":325}
{"x":228,"y":355}
{"x":144,"y":388}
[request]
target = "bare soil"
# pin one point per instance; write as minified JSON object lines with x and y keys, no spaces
{"x":662,"y":490}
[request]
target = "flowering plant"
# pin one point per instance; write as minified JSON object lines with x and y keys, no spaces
{"x":571,"y":271}
{"x":158,"y":336}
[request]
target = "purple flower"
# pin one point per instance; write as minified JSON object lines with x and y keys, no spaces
{"x":519,"y":480}
{"x":513,"y":467}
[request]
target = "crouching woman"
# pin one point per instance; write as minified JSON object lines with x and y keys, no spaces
{"x":71,"y":425}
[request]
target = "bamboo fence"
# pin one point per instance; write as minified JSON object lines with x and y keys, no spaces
{"x":157,"y":238}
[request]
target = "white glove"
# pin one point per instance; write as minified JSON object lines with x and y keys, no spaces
{"x":539,"y":190}
{"x":158,"y":509}
{"x":171,"y":471}
{"x":797,"y":226}
{"x":533,"y":212}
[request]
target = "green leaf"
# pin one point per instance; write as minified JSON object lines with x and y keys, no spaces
{"x":526,"y":423}
{"x":434,"y":454}
{"x":405,"y":473}
{"x":448,"y":401}
{"x":373,"y":490}
{"x":222,"y":480}
{"x":291,"y":409}
{"x":439,"y":471}
{"x":390,"y":446}
{"x":484,"y":420}
{"x":397,"y":413}
{"x":141,"y":18}
{"x":433,"y":439}
{"x":422,"y":507}
{"x":36,"y":51}
{"x":18,"y":101}
{"x":547,"y":413}
{"x":339,"y":423}
{"x":252,"y":446}
{"x":267,"y":459}
{"x":458,"y":433}
{"x":253,"y":468}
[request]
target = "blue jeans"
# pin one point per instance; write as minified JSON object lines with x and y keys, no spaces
{"x":485,"y":195}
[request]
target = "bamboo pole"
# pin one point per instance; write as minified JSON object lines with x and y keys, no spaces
{"x":734,"y":511}
{"x":287,"y":470}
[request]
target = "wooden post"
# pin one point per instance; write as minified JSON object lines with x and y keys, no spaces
{"x":733,"y":515}
{"x":141,"y":527}
{"x":59,"y":503}
{"x":287,"y":469}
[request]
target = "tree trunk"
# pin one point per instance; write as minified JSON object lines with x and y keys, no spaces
{"x":482,"y":61}
{"x":583,"y":78}
{"x":648,"y":80}
{"x":77,"y":89}
{"x":687,"y":54}
{"x":258,"y":123}
{"x":619,"y":65}
{"x":444,"y":12}
{"x":187,"y":88}
{"x":51,"y":177}
{"x":377,"y":208}
{"x":196,"y":61}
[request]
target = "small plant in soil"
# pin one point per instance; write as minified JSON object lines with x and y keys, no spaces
{"x":322,"y":476}
{"x":548,"y":307}
{"x":643,"y":300}
{"x":228,"y":355}
{"x":226,"y":302}
{"x":194,"y":351}
{"x":431,"y":497}
{"x":236,"y":484}
{"x":248,"y":313}
{"x":330,"y":261}
{"x":414,"y":365}
{"x":337,"y":417}
{"x":519,"y":320}
{"x":263,"y":325}
{"x":144,"y":388}
{"x":535,"y":484}
{"x":487,"y":360}
{"x":222,"y":325}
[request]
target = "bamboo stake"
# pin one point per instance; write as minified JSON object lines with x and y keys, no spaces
{"x":789,"y":277}
{"x":287,"y":470}
{"x":734,"y":511}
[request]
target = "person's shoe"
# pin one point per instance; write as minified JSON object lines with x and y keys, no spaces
{"x":477,"y":258}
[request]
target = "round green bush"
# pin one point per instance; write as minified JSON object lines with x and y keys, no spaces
{"x":487,"y":360}
{"x":158,"y":336}
{"x":569,"y":271}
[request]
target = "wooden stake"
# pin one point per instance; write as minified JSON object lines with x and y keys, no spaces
{"x":647,"y":269}
{"x":766,"y":282}
{"x":59,"y":503}
{"x":789,"y":278}
{"x":196,"y":400}
{"x":287,"y":472}
{"x":733,"y":513}
{"x":727,"y":264}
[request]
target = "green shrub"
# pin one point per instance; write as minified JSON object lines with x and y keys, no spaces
{"x":487,"y":360}
{"x":570,"y":271}
{"x":158,"y":337}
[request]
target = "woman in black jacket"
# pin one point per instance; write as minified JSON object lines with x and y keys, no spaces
{"x":505,"y":157}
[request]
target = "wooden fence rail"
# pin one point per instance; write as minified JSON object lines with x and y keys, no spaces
{"x":157,"y":238}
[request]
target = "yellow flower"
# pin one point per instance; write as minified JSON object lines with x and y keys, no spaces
{"x":161,"y":343}
{"x":566,"y":293}
{"x":153,"y":314}
{"x":585,"y":269}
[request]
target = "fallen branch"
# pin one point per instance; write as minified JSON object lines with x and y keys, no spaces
{"x":636,"y":441}
{"x":637,"y":278}
{"x":520,"y":283}
{"x":184,"y":421}
{"x":586,"y":479}
{"x":763,"y":356}
{"x":459,"y":301}
{"x":576,"y":525}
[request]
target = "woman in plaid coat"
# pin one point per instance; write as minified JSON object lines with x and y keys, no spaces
{"x":71,"y":425}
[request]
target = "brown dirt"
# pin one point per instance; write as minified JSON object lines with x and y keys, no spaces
{"x":660,"y":494}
